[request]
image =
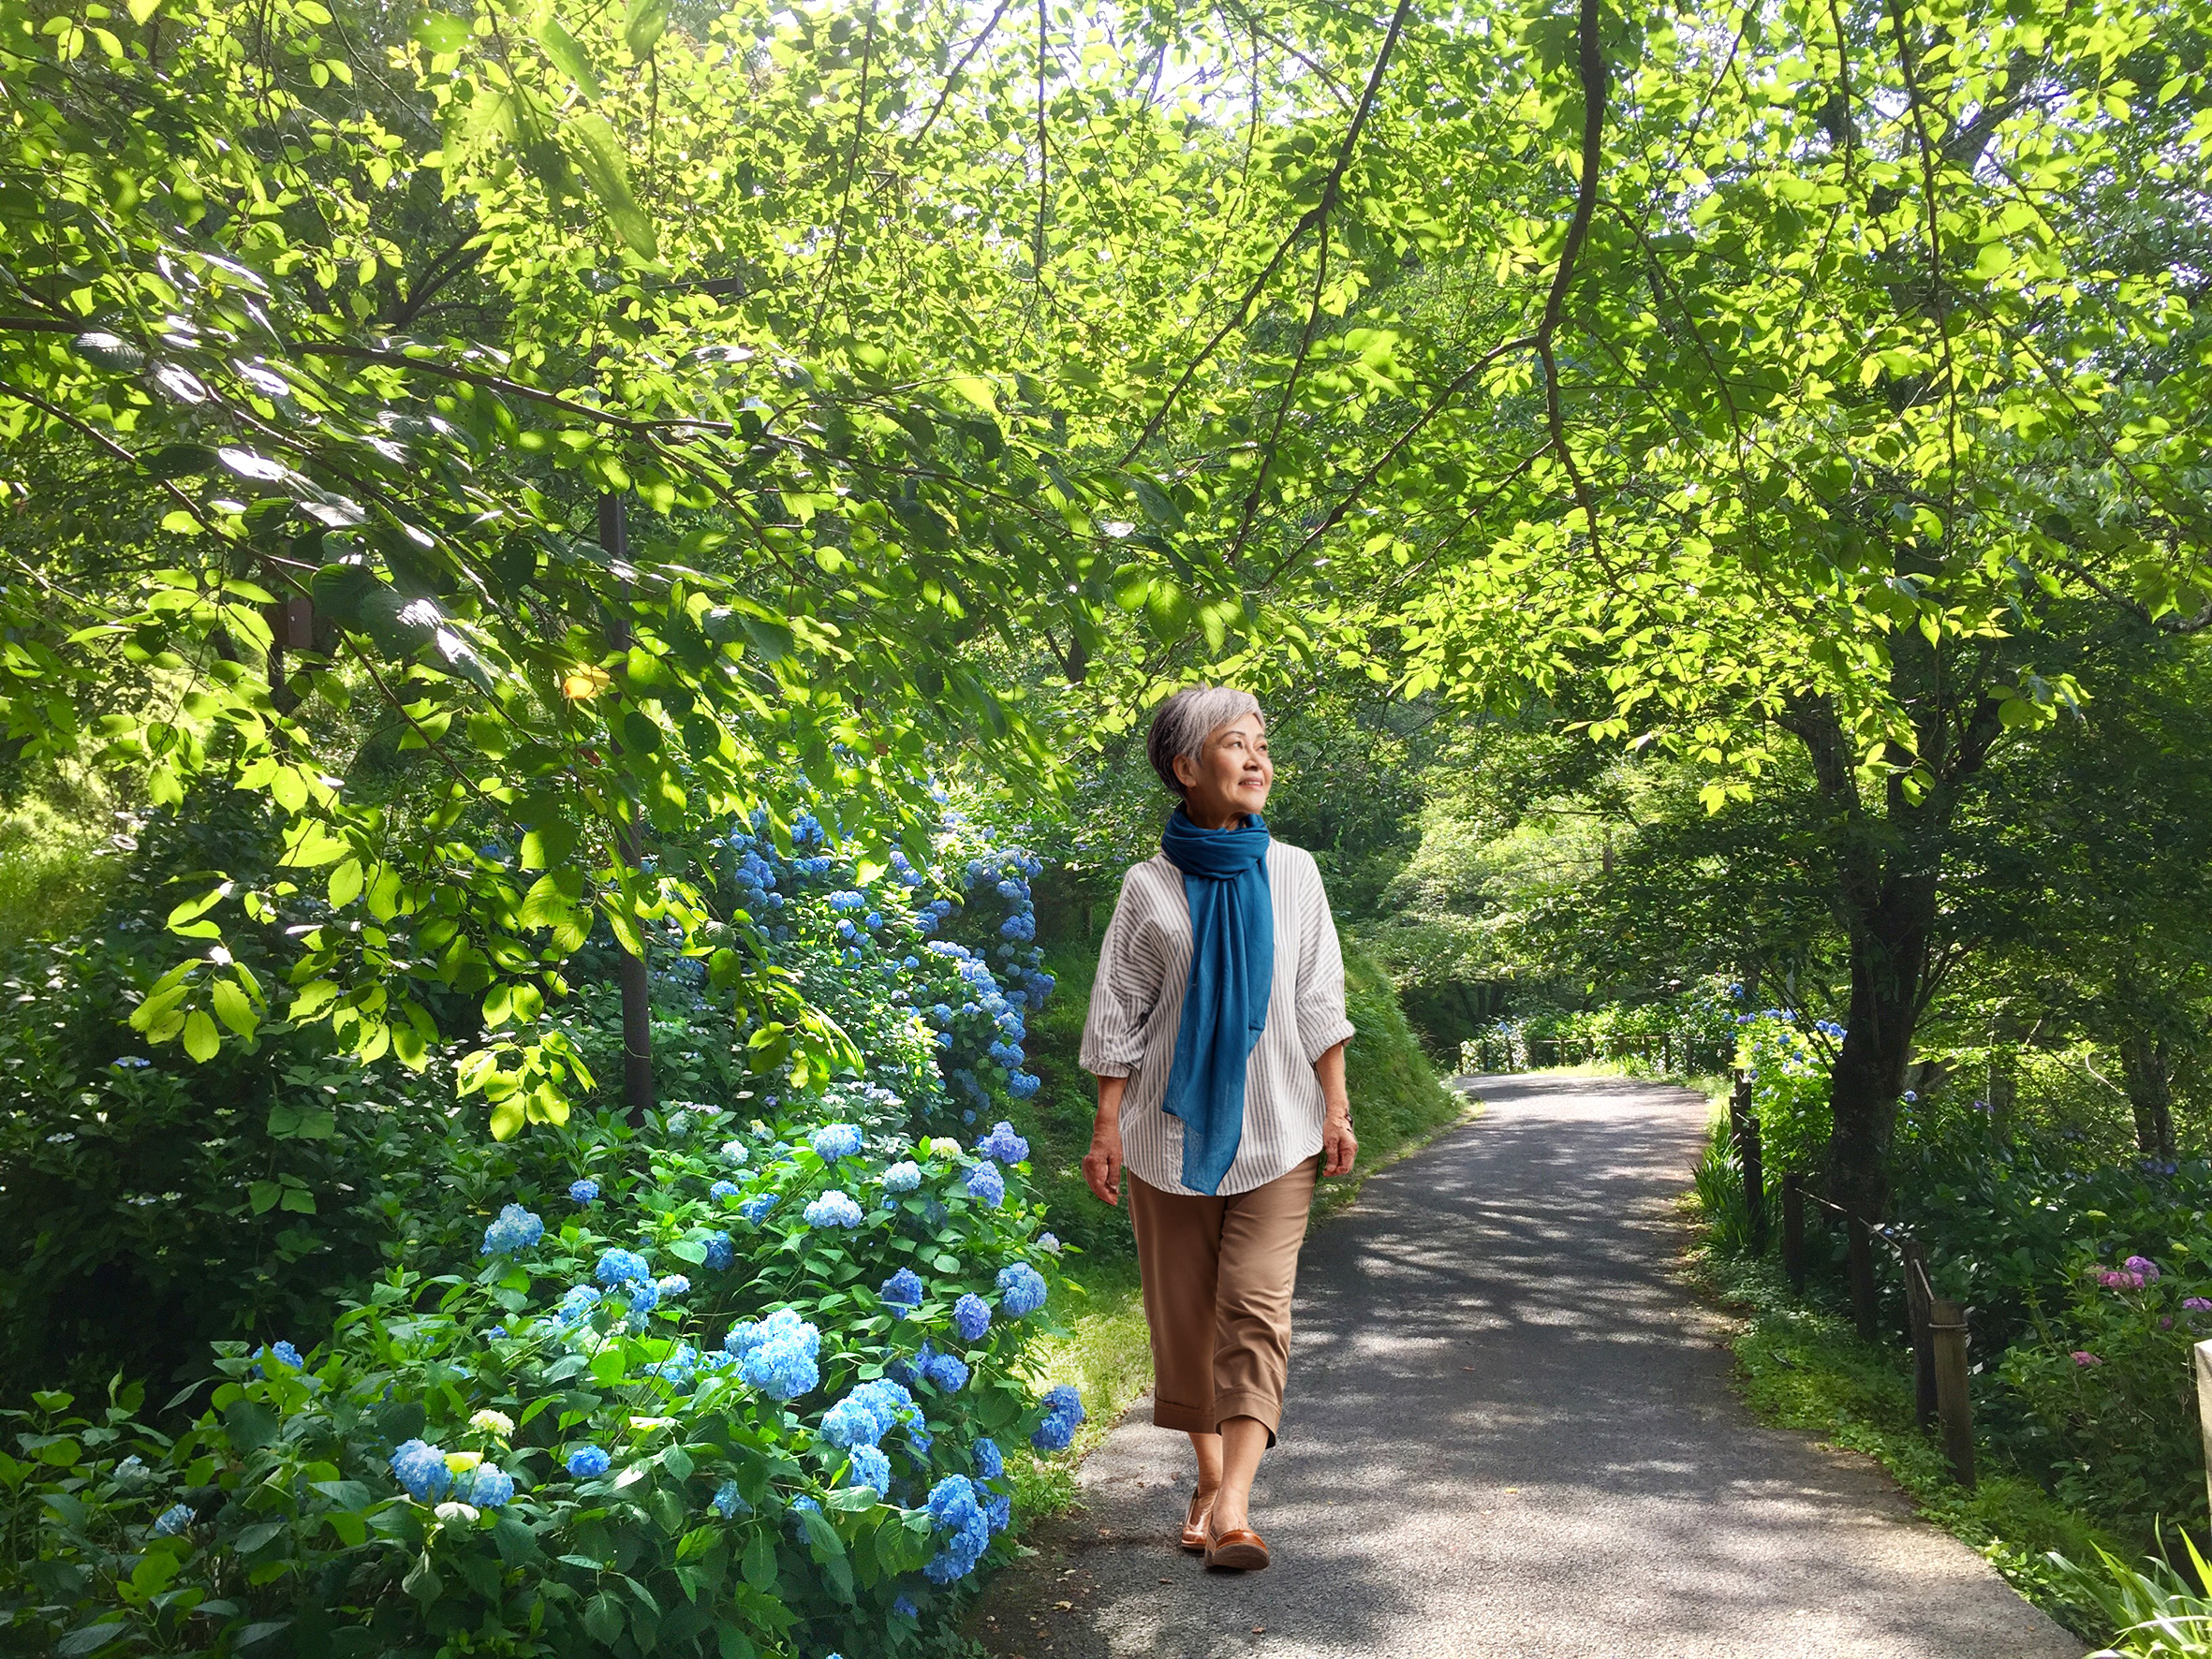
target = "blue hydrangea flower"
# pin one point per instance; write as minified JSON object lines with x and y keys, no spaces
{"x":673,"y":1285}
{"x":776,"y":1355}
{"x":990,"y":1461}
{"x":420,"y":1467}
{"x":985,"y":1183}
{"x":620,"y":1267}
{"x":1022,"y":1289}
{"x":584,"y":1192}
{"x":998,"y":1509}
{"x":722,"y":1189}
{"x":953,"y":1509}
{"x":1063,"y":1411}
{"x":588,"y":1462}
{"x":175,"y":1518}
{"x":902,"y":1177}
{"x":278,"y":1353}
{"x":1021,"y":1085}
{"x":730,"y":1502}
{"x":904,"y":1607}
{"x":735,"y":1150}
{"x":972,"y":1316}
{"x":902,"y":1291}
{"x":832,"y":1141}
{"x":678,"y":1366}
{"x":720,"y":1252}
{"x":1003,"y":1144}
{"x":643,"y":1298}
{"x":576,"y":1306}
{"x":869,"y":1467}
{"x":487,"y":1486}
{"x":833,"y":1210}
{"x":949,"y":1372}
{"x":515,"y":1229}
{"x":867,"y":1414}
{"x":753,"y":1209}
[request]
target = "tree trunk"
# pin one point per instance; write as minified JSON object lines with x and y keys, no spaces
{"x":2147,"y":1070}
{"x":630,"y":972}
{"x":1886,"y":897}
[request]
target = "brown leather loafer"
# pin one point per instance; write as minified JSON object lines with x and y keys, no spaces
{"x":1240,"y":1549}
{"x":1194,"y":1523}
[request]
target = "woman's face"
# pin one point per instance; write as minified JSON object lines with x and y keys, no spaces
{"x":1230,"y":776}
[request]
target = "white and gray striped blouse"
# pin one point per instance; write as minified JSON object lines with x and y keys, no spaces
{"x":1137,"y":1009}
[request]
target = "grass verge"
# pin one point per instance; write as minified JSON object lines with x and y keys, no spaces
{"x":1804,"y":1368}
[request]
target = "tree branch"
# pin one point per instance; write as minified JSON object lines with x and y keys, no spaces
{"x":1590,"y":67}
{"x":1312,"y":217}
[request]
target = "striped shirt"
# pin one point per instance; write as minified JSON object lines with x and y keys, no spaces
{"x":1137,"y":1009}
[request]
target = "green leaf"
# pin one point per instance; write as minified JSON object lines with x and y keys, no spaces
{"x":759,"y":1563}
{"x":602,"y":1619}
{"x":439,"y":32}
{"x":249,"y":1424}
{"x":346,"y":884}
{"x":232,"y":1007}
{"x":200,"y":1040}
{"x":606,"y":169}
{"x":421,"y":1581}
{"x":91,"y":1638}
{"x":258,"y":1534}
{"x":517,"y":1544}
{"x":648,"y":21}
{"x":570,"y":57}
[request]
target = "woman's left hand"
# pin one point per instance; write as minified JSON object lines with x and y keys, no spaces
{"x":1339,"y":1145}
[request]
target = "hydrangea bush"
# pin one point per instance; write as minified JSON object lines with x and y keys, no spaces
{"x":600,"y":1441}
{"x":2108,"y":1387}
{"x":742,"y":1380}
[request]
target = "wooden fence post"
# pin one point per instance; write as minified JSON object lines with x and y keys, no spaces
{"x":1947,"y":1324}
{"x":1918,"y":1293}
{"x":1865,"y":1309}
{"x":1749,"y":1152}
{"x":2204,"y":1352}
{"x":1794,"y":1231}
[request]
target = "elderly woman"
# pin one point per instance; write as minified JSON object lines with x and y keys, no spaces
{"x":1217,"y":1033}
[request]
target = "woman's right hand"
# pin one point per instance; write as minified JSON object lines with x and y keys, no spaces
{"x":1102,"y":1165}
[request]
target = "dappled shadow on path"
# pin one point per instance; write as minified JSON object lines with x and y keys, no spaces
{"x":1509,"y":1431}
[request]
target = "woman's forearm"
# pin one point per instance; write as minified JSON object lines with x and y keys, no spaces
{"x":1110,"y":1090}
{"x":1329,"y":1071}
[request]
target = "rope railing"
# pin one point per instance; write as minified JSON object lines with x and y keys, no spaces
{"x":1935,"y":1327}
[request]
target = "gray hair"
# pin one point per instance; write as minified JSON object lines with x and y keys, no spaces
{"x":1184,"y":723}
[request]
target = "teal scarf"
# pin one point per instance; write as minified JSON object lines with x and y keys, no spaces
{"x":1231,"y":973}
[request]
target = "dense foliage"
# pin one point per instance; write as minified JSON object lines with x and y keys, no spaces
{"x":729,"y":1507}
{"x":2089,"y":1280}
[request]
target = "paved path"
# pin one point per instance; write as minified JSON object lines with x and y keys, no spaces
{"x":1511,"y":1432}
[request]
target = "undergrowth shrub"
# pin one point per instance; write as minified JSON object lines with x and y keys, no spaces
{"x":752,"y":1392}
{"x":741,"y":1379}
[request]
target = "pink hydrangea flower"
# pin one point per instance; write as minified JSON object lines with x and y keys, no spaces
{"x":2143,"y":1267}
{"x":2196,"y":1304}
{"x":2119,"y":1279}
{"x":2082,"y":1356}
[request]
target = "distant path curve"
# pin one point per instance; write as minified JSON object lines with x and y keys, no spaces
{"x":1511,"y":1432}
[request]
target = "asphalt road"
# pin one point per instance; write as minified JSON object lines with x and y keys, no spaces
{"x":1510,"y":1432}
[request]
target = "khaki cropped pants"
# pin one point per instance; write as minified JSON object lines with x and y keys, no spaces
{"x":1219,"y":1273}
